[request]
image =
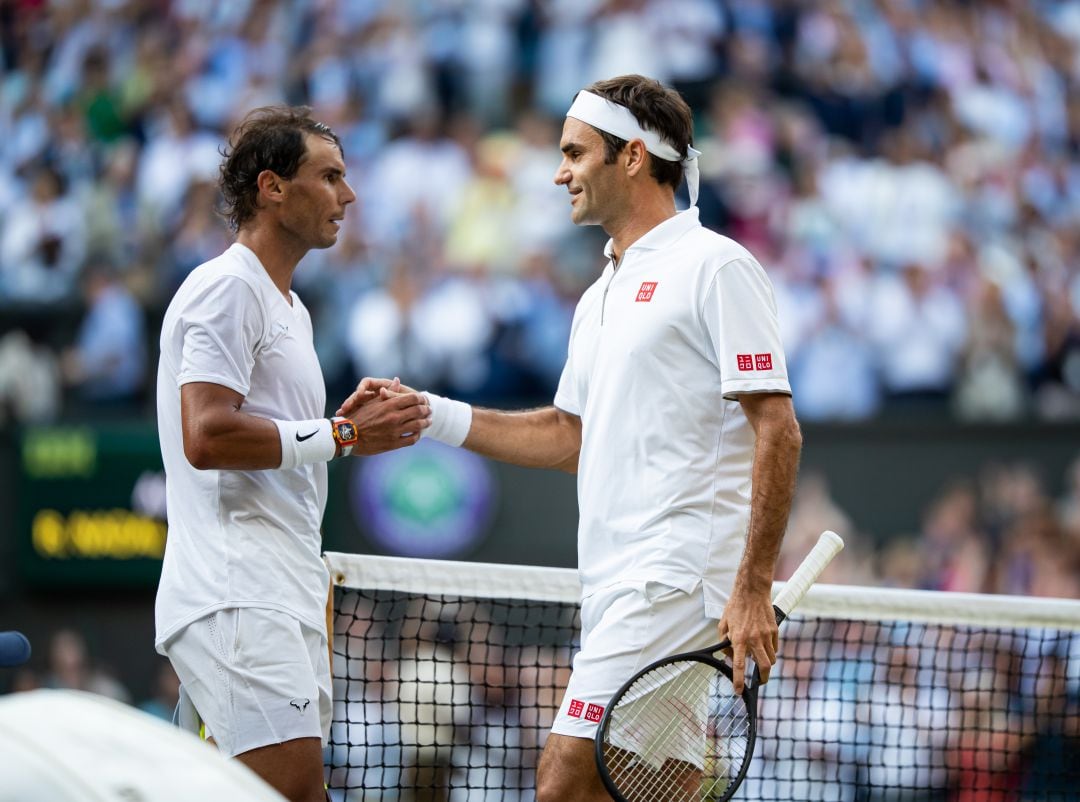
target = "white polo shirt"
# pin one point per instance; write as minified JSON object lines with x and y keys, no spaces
{"x":660,"y":350}
{"x":240,"y":538}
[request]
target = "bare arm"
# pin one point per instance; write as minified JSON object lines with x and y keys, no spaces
{"x":748,"y":616}
{"x":536,"y":438}
{"x":218,"y":436}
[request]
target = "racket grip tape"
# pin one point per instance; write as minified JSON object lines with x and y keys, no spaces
{"x":827,"y":547}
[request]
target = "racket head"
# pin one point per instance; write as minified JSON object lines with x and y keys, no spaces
{"x":678,"y":732}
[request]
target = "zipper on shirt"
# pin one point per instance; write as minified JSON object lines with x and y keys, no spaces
{"x":603,"y":301}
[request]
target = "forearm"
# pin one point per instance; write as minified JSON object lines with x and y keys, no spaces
{"x":776,"y":461}
{"x":218,"y":435}
{"x":536,"y":438}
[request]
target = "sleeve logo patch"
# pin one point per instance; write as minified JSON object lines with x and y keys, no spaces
{"x":576,"y":706}
{"x":594,"y":712}
{"x":645,"y":292}
{"x":754,"y":361}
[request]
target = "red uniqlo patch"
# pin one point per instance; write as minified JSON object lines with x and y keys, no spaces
{"x":746,"y":361}
{"x":594,"y":712}
{"x":576,"y":706}
{"x":646,"y":291}
{"x":763,"y":361}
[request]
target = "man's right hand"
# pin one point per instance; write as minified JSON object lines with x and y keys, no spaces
{"x":387,"y":423}
{"x":368,"y":390}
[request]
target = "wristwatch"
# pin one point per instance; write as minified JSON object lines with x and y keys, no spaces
{"x":346,"y":435}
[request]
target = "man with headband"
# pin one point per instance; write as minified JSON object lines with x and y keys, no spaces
{"x":673,"y":408}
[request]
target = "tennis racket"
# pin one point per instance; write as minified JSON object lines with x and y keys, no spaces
{"x":677,"y":731}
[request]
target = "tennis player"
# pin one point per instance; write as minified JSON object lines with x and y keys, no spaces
{"x":241,"y":400}
{"x":673,"y":408}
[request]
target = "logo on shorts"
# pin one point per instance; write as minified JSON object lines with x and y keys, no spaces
{"x":645,"y":292}
{"x":300,"y":704}
{"x":594,"y":712}
{"x":576,"y":706}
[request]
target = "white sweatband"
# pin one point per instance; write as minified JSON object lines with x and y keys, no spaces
{"x":450,"y":420}
{"x":304,"y":442}
{"x":599,"y":112}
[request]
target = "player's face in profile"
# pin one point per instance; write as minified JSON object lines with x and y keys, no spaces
{"x":591,"y":183}
{"x":317,"y":195}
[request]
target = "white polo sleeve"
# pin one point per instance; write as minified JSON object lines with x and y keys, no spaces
{"x":743,"y":333}
{"x":222,"y":327}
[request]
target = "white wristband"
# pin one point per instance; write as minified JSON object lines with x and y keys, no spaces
{"x":304,"y":442}
{"x":450,"y":420}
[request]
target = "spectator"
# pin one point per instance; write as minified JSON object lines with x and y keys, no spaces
{"x":107,"y":363}
{"x":29,"y":380}
{"x":42,"y":243}
{"x":70,"y":666}
{"x":917,"y":327}
{"x":989,"y":385}
{"x":166,"y":693}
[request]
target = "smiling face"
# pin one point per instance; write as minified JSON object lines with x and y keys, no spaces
{"x":596,"y":189}
{"x":315,"y":198}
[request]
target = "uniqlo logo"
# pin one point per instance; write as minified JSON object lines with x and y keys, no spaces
{"x":763,"y":361}
{"x":576,"y":706}
{"x":746,"y":361}
{"x":594,"y":712}
{"x":646,"y":291}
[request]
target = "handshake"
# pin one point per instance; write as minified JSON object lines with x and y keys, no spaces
{"x":390,"y":415}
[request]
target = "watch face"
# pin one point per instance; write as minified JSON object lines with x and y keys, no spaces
{"x":346,"y":431}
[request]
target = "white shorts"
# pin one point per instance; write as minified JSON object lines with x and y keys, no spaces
{"x":623,"y":629}
{"x":256,"y":677}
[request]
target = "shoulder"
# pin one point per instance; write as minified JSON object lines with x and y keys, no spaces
{"x":226,"y":273}
{"x":715,"y":250}
{"x":222,"y":285}
{"x":716,"y":259}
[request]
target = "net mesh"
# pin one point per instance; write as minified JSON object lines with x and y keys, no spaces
{"x":448,"y":678}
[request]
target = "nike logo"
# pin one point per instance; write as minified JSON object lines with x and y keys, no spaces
{"x":300,"y":439}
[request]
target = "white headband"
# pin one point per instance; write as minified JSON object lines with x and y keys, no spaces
{"x":619,"y":121}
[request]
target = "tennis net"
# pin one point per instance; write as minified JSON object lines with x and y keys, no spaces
{"x":447,"y":677}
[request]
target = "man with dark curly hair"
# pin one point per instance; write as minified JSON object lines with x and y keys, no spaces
{"x":241,"y":400}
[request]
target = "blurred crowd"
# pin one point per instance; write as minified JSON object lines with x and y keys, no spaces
{"x":1001,"y":531}
{"x":908,"y":171}
{"x":67,"y":661}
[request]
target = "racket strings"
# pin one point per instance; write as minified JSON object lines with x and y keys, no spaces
{"x":679,"y":732}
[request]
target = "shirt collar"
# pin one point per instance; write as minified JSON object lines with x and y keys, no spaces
{"x":661,"y":236}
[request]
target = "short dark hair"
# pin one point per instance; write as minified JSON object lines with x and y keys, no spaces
{"x":657,"y":108}
{"x":268,"y":138}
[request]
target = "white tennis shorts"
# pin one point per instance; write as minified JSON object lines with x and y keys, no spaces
{"x":256,"y":677}
{"x":623,"y":629}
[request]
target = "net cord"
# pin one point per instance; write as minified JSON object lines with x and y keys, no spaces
{"x":495,"y":581}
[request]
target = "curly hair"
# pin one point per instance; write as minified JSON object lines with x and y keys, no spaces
{"x":656,"y":108}
{"x":268,"y":138}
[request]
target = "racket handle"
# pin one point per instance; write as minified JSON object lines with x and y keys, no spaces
{"x":827,"y":547}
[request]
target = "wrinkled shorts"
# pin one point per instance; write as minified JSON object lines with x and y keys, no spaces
{"x":256,"y":677}
{"x":623,"y":629}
